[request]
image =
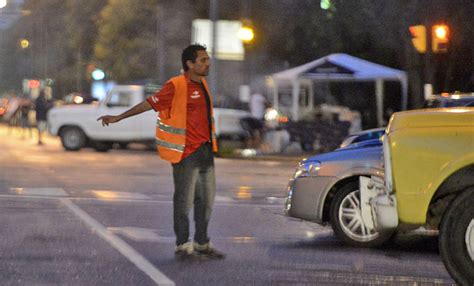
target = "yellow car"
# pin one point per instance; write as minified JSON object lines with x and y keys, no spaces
{"x":429,"y":181}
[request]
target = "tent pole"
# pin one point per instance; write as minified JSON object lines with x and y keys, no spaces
{"x":295,"y":97}
{"x":403,"y":81}
{"x":379,"y":100}
{"x":275,"y":94}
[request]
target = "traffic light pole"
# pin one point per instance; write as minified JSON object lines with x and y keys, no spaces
{"x":428,"y":74}
{"x":214,"y":68}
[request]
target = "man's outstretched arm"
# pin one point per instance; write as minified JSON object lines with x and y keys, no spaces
{"x":137,"y":109}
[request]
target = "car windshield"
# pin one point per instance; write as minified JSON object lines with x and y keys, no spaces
{"x":435,"y":103}
{"x":356,"y":138}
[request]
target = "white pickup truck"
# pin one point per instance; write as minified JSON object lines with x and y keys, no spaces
{"x":78,"y":127}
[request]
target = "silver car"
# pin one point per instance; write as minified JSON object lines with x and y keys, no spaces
{"x":363,"y":135}
{"x":325,"y":189}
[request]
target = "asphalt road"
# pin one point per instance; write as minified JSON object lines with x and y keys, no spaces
{"x":89,"y":218}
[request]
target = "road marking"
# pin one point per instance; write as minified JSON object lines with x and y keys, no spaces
{"x":276,"y":200}
{"x":48,"y":192}
{"x":217,"y":204}
{"x":120,"y":245}
{"x":140,"y":234}
{"x":223,"y":199}
{"x":113,"y":195}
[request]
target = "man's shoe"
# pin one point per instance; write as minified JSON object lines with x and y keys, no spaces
{"x":207,"y":251}
{"x":184,"y":251}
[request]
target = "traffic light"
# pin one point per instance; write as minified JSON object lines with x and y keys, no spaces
{"x":34,"y":83}
{"x":98,"y":74}
{"x":418,"y":37}
{"x":439,"y":38}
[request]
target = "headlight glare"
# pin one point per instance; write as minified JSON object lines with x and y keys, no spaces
{"x":307,"y":169}
{"x":314,"y":168}
{"x":300,"y":171}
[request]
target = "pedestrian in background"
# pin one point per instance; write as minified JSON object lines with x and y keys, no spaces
{"x":24,"y":112}
{"x":254,"y":125}
{"x":185,"y":137}
{"x":257,"y":105}
{"x":42,"y":105}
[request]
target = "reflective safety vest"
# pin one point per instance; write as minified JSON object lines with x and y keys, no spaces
{"x":171,"y":124}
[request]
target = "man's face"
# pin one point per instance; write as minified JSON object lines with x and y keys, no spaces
{"x":201,"y":66}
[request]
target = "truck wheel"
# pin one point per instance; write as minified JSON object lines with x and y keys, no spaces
{"x":346,"y":219}
{"x":456,"y":238}
{"x":101,"y":146}
{"x":73,"y":138}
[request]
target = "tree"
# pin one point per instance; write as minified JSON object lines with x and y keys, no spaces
{"x":43,"y":27}
{"x":82,"y":22}
{"x":61,"y":35}
{"x":126,"y":45}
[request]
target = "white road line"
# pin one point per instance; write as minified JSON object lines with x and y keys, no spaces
{"x":216,"y":204}
{"x":125,"y":249}
{"x":49,"y":192}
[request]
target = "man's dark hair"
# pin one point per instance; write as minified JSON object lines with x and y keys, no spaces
{"x":190,"y":54}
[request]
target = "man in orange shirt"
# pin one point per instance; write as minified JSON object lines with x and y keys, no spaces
{"x":186,"y":138}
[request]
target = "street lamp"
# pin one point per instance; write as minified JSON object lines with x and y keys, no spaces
{"x":24,"y":43}
{"x":246,"y":35}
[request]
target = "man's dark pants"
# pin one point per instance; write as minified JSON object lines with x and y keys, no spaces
{"x":194,"y":181}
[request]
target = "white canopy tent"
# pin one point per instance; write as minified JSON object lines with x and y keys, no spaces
{"x":338,"y":67}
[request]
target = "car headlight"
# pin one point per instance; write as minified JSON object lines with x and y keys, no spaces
{"x":306,"y":169}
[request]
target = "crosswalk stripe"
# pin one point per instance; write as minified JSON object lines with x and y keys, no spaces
{"x":120,"y":245}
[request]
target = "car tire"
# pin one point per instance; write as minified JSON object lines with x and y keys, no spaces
{"x":456,"y":238}
{"x":101,"y":146}
{"x":73,"y":138}
{"x":123,"y":145}
{"x":346,"y":219}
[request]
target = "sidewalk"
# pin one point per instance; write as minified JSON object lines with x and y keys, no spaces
{"x":28,"y":136}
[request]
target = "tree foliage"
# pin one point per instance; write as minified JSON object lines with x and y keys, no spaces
{"x":126,"y":46}
{"x":120,"y":36}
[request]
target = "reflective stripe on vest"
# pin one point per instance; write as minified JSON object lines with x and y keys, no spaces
{"x":175,"y":147}
{"x":170,"y":129}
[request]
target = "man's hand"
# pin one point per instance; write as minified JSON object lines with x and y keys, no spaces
{"x":106,"y":119}
{"x":137,"y":109}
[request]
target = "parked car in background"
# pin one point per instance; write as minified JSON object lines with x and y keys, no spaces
{"x":449,"y":100}
{"x":3,"y":106}
{"x":79,"y":98}
{"x":77,"y":125}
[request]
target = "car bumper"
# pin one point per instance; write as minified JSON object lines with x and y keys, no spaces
{"x":306,"y":195}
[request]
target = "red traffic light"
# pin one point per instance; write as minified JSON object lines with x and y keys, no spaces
{"x":440,"y":38}
{"x":34,"y":83}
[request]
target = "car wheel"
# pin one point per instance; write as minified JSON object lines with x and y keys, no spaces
{"x":123,"y":145}
{"x":346,"y":219}
{"x":73,"y":138}
{"x":101,"y":146}
{"x":456,"y":238}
